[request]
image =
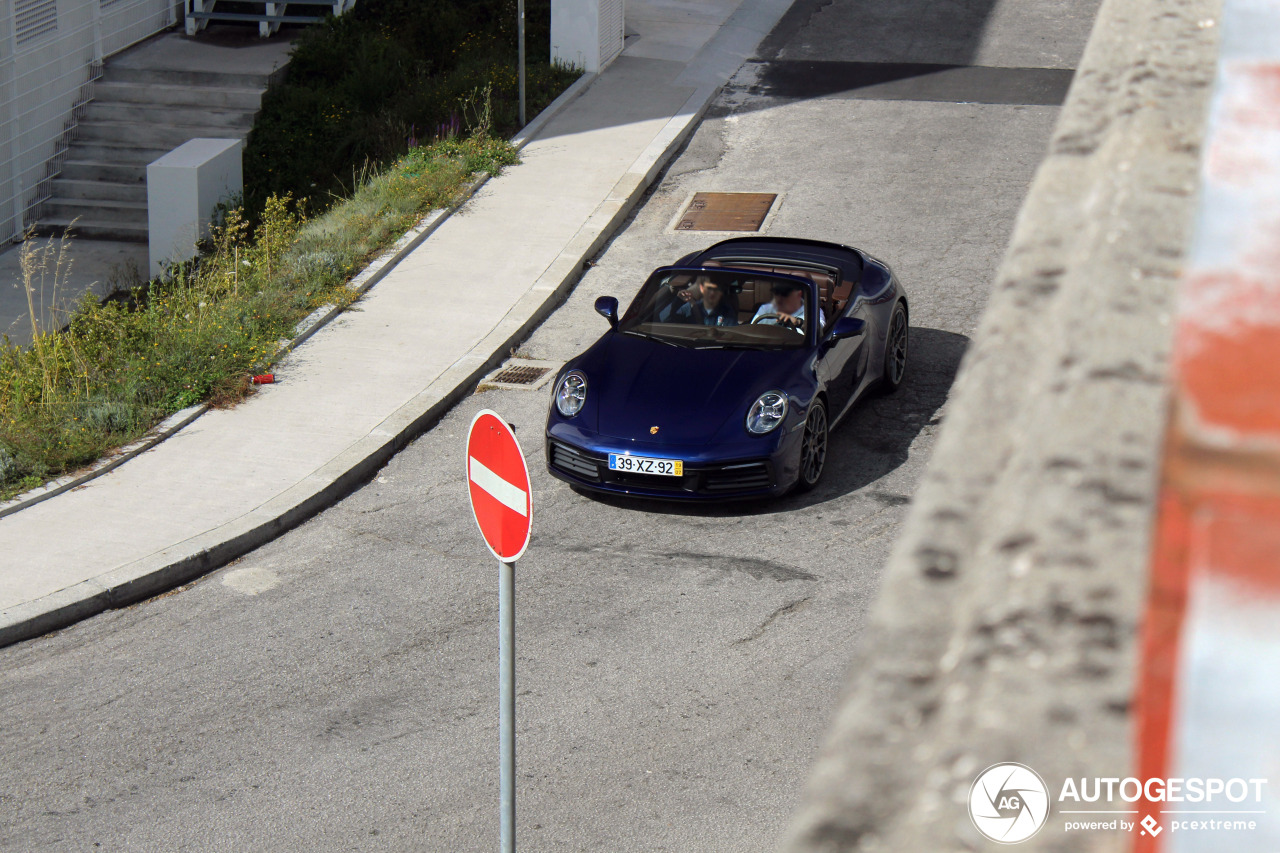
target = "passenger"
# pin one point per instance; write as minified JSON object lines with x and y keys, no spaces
{"x":788,"y":305}
{"x":671,"y":297}
{"x":712,"y":309}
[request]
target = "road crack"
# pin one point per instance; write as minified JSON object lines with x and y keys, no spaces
{"x":785,"y":610}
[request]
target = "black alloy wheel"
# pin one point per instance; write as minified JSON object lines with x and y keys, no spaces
{"x":813,"y":447}
{"x":895,"y":351}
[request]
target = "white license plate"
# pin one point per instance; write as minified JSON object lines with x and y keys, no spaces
{"x":645,"y":465}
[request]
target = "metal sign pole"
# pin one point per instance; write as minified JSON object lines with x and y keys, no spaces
{"x":520,"y":27}
{"x":502,"y":503}
{"x":507,"y":701}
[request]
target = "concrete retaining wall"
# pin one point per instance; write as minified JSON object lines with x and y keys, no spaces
{"x":1006,"y":626}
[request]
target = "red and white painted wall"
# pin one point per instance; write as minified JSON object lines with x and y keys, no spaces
{"x":1208,"y":700}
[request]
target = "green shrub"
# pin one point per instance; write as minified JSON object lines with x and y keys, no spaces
{"x":362,"y":88}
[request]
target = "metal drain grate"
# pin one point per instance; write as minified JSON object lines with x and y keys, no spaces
{"x":726,"y":212}
{"x":519,"y":374}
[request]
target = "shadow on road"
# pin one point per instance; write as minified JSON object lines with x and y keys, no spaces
{"x":872,"y":440}
{"x":905,"y":31}
{"x":913,"y":81}
{"x":818,"y":44}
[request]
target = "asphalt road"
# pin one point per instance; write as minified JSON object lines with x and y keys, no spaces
{"x":337,"y":689}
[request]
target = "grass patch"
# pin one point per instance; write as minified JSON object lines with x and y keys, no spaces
{"x":196,"y":335}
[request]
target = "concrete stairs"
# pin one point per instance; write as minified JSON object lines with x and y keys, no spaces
{"x":144,"y":107}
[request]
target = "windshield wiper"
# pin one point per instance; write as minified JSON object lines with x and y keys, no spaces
{"x":666,"y":341}
{"x":754,"y":345}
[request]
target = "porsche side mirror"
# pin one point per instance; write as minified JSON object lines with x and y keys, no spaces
{"x":846,"y":327}
{"x":607,"y":307}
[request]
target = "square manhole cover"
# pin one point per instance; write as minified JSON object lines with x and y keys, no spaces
{"x":726,"y":212}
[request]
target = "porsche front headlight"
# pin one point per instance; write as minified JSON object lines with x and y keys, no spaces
{"x":767,"y":412}
{"x":571,"y":393}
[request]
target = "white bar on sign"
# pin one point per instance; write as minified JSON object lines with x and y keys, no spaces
{"x":503,"y":492}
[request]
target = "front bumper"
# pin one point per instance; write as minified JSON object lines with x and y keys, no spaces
{"x":703,"y":479}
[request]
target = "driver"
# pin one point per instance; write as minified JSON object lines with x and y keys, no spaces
{"x":788,"y":305}
{"x":712,"y":309}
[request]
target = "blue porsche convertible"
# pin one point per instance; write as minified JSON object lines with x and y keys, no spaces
{"x":724,"y":376}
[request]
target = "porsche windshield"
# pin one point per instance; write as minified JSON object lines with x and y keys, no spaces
{"x":721,"y":308}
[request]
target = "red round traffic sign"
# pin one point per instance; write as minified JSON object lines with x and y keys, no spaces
{"x":498,"y":479}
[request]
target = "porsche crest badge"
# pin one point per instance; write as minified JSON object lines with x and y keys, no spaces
{"x":653,"y":430}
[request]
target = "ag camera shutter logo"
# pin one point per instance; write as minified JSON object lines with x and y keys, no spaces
{"x":1008,"y":803}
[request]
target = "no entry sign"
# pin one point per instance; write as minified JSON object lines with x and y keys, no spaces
{"x":503,"y":506}
{"x":501,"y":499}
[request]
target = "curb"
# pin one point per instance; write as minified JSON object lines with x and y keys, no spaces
{"x":194,"y":557}
{"x":167,"y":427}
{"x":362,"y":282}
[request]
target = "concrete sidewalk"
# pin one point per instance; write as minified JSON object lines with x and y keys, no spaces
{"x":366,"y":384}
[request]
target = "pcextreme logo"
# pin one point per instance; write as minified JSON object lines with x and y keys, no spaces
{"x":1010,"y":802}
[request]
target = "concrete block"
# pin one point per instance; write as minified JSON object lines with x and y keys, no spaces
{"x":586,"y":33}
{"x":183,"y":189}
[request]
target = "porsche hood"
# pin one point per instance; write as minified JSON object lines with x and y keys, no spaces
{"x":689,"y":395}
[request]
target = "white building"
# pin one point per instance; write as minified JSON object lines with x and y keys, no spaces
{"x":51,"y":51}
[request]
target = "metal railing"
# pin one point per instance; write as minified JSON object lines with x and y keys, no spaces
{"x":200,"y":12}
{"x":48,"y":65}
